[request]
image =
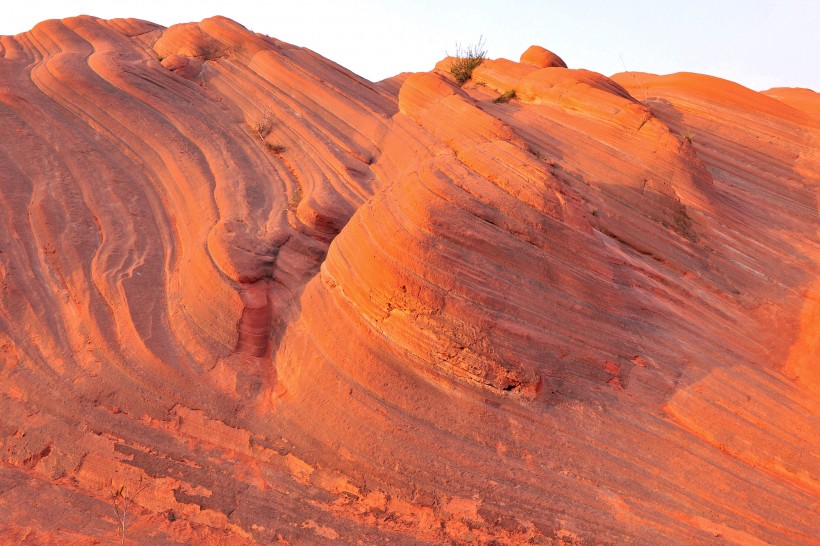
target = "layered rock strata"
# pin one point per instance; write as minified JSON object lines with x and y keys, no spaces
{"x":278,"y":303}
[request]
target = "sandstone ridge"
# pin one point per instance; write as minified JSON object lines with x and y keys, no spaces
{"x":289,"y":305}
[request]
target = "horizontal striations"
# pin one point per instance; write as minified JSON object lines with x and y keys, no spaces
{"x":454,"y":297}
{"x":764,"y":208}
{"x":275,"y":302}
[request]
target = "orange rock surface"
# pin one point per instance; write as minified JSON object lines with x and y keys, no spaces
{"x":281,"y":304}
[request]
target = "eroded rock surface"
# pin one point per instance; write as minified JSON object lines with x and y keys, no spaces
{"x":289,"y":305}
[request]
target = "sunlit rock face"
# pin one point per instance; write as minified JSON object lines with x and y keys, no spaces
{"x":278,"y":303}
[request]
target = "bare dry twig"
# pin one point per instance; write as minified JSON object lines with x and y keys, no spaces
{"x":122,"y":499}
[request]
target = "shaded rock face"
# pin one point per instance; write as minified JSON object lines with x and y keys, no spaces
{"x":279,"y":303}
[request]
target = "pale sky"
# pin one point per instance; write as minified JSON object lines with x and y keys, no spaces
{"x":757,"y":43}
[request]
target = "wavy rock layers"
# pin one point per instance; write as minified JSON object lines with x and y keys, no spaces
{"x":288,"y":305}
{"x":152,"y":240}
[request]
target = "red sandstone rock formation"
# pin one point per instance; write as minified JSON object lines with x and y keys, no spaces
{"x":302,"y":308}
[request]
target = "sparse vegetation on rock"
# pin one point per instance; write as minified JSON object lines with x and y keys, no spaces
{"x":122,"y":500}
{"x":262,"y":123}
{"x":467,"y":59}
{"x":505,"y":97}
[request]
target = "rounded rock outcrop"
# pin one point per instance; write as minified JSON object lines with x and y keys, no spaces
{"x":544,"y":58}
{"x":276,"y":303}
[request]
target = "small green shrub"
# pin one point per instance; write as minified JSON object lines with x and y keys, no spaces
{"x":275,"y":148}
{"x":506,"y":97}
{"x":467,"y":59}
